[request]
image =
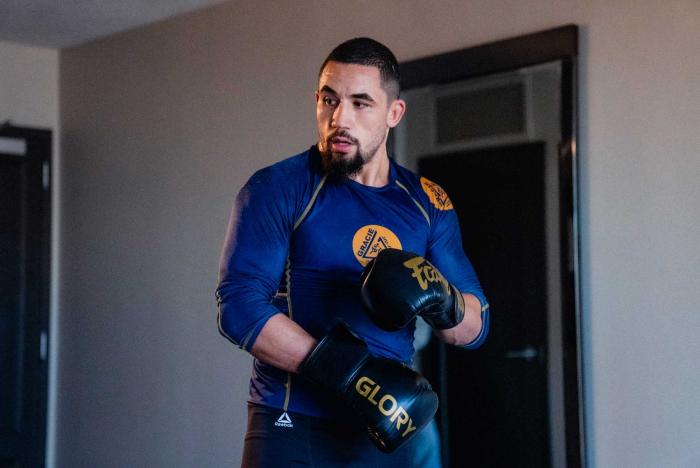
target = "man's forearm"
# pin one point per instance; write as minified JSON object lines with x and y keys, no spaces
{"x":283,"y":343}
{"x":470,"y":326}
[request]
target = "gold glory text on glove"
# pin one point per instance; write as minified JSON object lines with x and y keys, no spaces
{"x":368,"y":388}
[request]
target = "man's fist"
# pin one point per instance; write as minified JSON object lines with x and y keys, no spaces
{"x":393,"y":400}
{"x":398,"y":285}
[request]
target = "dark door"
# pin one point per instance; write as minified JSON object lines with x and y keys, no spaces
{"x":496,"y":396}
{"x":24,"y":289}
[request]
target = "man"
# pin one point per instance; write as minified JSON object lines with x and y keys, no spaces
{"x":304,"y":234}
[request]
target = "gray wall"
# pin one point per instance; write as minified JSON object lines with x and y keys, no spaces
{"x":162,"y":125}
{"x":28,"y":85}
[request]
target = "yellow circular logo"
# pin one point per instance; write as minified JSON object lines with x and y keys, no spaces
{"x":436,"y":194}
{"x":370,"y":239}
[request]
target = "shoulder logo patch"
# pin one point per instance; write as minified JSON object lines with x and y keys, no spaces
{"x":370,"y":239}
{"x":436,"y":194}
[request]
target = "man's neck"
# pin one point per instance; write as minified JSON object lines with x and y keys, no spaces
{"x":376,"y":172}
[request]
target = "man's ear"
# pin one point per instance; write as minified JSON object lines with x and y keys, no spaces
{"x":396,"y":111}
{"x":316,"y":95}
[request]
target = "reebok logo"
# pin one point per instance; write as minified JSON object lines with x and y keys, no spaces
{"x":284,"y":421}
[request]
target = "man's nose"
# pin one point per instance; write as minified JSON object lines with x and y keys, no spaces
{"x":341,"y":116}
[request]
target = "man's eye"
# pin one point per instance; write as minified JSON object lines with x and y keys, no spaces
{"x":329,"y":101}
{"x":361,"y":105}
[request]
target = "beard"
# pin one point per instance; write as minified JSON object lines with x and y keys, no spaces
{"x":343,"y":166}
{"x":339,"y":166}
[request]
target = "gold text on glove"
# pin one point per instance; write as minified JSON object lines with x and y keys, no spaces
{"x":425,"y":273}
{"x":387,"y":404}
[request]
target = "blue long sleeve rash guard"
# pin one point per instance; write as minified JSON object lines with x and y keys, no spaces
{"x":297,"y":244}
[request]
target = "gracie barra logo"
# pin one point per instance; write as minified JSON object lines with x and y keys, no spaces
{"x":438,"y":197}
{"x":284,"y":420}
{"x":369,"y":240}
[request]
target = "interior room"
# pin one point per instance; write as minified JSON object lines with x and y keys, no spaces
{"x":128,"y":128}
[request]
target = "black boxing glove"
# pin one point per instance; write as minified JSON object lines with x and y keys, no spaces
{"x":398,"y":285}
{"x":393,"y":400}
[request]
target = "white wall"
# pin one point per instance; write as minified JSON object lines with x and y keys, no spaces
{"x":162,"y":125}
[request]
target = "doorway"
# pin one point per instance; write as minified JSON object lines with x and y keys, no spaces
{"x":25,"y":221}
{"x":501,"y":190}
{"x":507,"y":100}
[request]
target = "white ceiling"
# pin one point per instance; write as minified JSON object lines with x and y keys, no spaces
{"x":64,"y":23}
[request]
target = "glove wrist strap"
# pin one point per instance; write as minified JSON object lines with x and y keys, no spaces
{"x":335,"y":359}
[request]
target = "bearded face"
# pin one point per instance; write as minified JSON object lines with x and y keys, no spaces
{"x":353,"y":117}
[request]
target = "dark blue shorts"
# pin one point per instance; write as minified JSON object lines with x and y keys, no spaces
{"x":278,"y":439}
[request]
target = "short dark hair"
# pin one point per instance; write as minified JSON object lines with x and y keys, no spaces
{"x":366,"y":51}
